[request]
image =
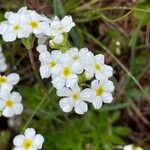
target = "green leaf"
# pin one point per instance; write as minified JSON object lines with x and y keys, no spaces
{"x":123,"y":131}
{"x":58,"y":8}
{"x":140,"y":14}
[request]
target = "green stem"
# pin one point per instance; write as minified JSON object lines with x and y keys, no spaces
{"x":36,"y":109}
{"x":36,"y":74}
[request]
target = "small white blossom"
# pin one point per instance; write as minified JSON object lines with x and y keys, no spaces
{"x":3,"y":65}
{"x":10,"y":104}
{"x":99,"y":92}
{"x":72,"y":99}
{"x":50,"y":63}
{"x":15,"y":27}
{"x":97,"y":67}
{"x":28,"y":141}
{"x":67,"y":75}
{"x":7,"y":82}
{"x":61,"y":26}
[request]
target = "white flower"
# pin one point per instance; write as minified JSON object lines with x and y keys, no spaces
{"x":3,"y":65}
{"x":79,"y":58}
{"x":7,"y":82}
{"x":99,"y":92}
{"x":49,"y":63}
{"x":67,"y":75}
{"x":10,"y":104}
{"x":29,"y":141}
{"x":97,"y":67}
{"x":61,"y":26}
{"x":15,"y":27}
{"x":37,"y":23}
{"x":132,"y":147}
{"x":72,"y":98}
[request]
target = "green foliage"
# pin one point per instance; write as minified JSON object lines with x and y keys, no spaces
{"x":96,"y":130}
{"x":141,"y":14}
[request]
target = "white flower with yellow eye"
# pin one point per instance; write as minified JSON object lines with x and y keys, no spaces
{"x":50,"y":63}
{"x":16,"y":27}
{"x":3,"y":65}
{"x":97,"y":67}
{"x":37,"y":23}
{"x":79,"y":58}
{"x":99,"y":92}
{"x":28,"y":141}
{"x":72,"y":99}
{"x":7,"y":82}
{"x":10,"y":104}
{"x":67,"y":73}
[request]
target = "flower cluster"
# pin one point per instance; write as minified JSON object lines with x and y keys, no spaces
{"x":3,"y":65}
{"x":79,"y":76}
{"x":10,"y":102}
{"x":29,"y":141}
{"x":23,"y":23}
{"x":66,"y":68}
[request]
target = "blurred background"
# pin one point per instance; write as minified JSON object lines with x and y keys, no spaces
{"x":120,"y":29}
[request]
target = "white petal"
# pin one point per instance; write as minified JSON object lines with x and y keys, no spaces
{"x":58,"y":82}
{"x":38,"y":141}
{"x":108,"y":86}
{"x":45,"y":57}
{"x":66,"y":104}
{"x":107,"y":97}
{"x":1,"y":105}
{"x":87,"y":95}
{"x":16,"y":97}
{"x":13,"y":78}
{"x":100,"y":76}
{"x":29,"y":133}
{"x":71,"y":80}
{"x":41,"y":48}
{"x":9,"y":37}
{"x":45,"y":71}
{"x":63,"y":92}
{"x":97,"y":103}
{"x":17,"y":108}
{"x":19,"y":148}
{"x":8,"y":112}
{"x":107,"y":71}
{"x":18,"y":140}
{"x":99,"y":58}
{"x":75,"y":88}
{"x":94,"y":84}
{"x":80,"y":107}
{"x":6,"y":88}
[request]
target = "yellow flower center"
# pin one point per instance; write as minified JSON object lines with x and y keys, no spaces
{"x":3,"y":79}
{"x":27,"y":143}
{"x":52,"y":64}
{"x":99,"y":91}
{"x":76,"y":57}
{"x":66,"y":71}
{"x":97,"y":67}
{"x":9,"y":103}
{"x":16,"y":28}
{"x":75,"y":96}
{"x":34,"y":24}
